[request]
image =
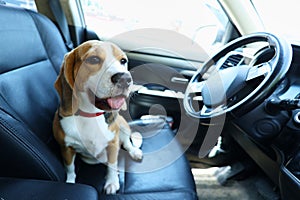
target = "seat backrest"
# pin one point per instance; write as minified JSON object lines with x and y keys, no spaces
{"x":31,"y":52}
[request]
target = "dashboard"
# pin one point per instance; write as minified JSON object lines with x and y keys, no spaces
{"x":274,"y":125}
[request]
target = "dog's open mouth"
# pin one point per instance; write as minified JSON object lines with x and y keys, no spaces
{"x":111,"y":103}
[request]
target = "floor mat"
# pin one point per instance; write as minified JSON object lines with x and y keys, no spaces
{"x":210,"y":188}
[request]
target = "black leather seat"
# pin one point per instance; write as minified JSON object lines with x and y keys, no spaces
{"x":31,"y":52}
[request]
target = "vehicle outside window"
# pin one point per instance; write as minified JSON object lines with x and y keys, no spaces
{"x":280,"y":17}
{"x":29,"y":4}
{"x":202,"y":21}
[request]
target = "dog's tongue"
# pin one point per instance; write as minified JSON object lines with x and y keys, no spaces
{"x":116,"y":102}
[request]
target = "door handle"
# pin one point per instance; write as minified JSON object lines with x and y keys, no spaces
{"x":179,"y":80}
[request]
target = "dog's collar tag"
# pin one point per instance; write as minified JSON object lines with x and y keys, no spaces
{"x":85,"y":114}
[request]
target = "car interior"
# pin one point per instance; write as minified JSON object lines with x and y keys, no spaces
{"x":238,"y":106}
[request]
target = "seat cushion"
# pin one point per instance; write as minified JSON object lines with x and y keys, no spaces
{"x":164,"y":172}
{"x":11,"y":188}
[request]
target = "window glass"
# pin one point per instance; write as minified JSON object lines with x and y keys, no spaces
{"x":29,"y":4}
{"x":200,"y":20}
{"x":280,"y":17}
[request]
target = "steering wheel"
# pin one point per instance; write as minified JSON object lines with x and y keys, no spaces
{"x":235,"y":80}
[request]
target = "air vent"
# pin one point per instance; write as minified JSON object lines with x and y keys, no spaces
{"x":232,"y":60}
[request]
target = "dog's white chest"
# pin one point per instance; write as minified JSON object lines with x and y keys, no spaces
{"x":88,"y":136}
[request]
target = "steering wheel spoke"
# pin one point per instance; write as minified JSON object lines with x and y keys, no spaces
{"x":195,"y":87}
{"x":258,"y":71}
{"x":210,"y":111}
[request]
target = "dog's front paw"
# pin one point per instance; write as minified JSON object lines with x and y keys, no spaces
{"x":111,"y":186}
{"x":136,"y":139}
{"x":136,"y":154}
{"x":71,"y":177}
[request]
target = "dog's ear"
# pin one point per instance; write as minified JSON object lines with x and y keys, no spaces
{"x":64,"y":85}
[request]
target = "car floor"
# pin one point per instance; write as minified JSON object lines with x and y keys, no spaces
{"x":211,"y":185}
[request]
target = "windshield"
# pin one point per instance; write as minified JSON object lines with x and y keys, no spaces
{"x":280,"y":17}
{"x":201,"y":21}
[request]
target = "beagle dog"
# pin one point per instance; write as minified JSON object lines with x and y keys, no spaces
{"x":93,"y":84}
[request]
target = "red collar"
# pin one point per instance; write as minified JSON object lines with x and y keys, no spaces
{"x":85,"y":114}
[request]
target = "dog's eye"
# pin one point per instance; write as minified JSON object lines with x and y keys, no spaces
{"x":123,"y":61}
{"x":93,"y":60}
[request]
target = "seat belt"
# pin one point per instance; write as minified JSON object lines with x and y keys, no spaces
{"x":62,"y":22}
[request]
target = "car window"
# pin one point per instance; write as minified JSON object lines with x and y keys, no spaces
{"x":29,"y":4}
{"x":280,"y":17}
{"x":202,"y":21}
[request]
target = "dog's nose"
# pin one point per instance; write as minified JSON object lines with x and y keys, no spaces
{"x":122,"y":80}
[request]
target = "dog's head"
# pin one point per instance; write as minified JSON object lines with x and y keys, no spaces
{"x":94,"y":73}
